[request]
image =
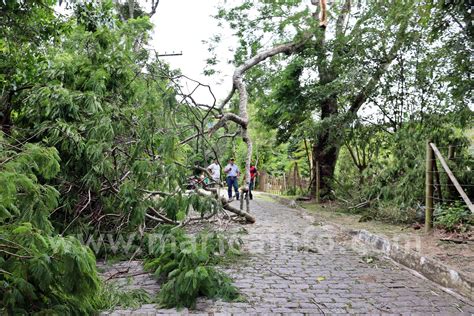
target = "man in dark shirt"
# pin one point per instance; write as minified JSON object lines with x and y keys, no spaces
{"x":253,"y":176}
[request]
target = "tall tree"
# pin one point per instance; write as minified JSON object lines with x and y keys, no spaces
{"x":331,"y":76}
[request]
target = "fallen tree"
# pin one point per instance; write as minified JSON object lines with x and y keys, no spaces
{"x":225,"y":204}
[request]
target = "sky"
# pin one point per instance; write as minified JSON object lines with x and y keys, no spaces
{"x":181,"y":26}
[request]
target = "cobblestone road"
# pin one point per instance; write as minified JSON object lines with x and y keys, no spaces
{"x":295,"y":265}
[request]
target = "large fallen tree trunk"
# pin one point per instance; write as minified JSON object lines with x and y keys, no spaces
{"x":225,"y":202}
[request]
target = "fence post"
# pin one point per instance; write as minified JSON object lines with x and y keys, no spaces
{"x":317,"y":181}
{"x":437,"y":182}
{"x":262,"y":181}
{"x":450,"y":188}
{"x":451,"y":152}
{"x":295,"y":170}
{"x":429,"y":188}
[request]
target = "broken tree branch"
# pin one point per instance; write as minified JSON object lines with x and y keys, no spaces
{"x":249,"y":218}
{"x":162,"y":217}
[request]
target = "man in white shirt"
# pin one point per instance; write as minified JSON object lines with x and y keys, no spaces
{"x":232,"y":180}
{"x":215,"y":171}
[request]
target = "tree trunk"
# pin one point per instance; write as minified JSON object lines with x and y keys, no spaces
{"x":326,"y":150}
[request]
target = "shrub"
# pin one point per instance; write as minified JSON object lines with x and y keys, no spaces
{"x":455,"y":217}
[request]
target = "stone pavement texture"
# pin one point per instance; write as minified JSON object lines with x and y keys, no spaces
{"x":295,"y":266}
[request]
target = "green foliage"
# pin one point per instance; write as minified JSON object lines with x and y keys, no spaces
{"x":404,"y":178}
{"x":111,"y":297}
{"x":46,"y":273}
{"x":22,"y":197}
{"x":89,"y":121}
{"x":86,"y":95}
{"x":40,"y":271}
{"x":286,"y":106}
{"x":94,"y":14}
{"x":455,"y":217}
{"x":394,"y":180}
{"x":186,"y":265}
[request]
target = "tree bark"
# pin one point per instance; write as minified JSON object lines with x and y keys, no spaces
{"x":225,"y":204}
{"x":326,"y":149}
{"x":325,"y":152}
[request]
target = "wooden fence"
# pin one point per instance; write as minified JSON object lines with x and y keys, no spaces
{"x":433,"y":182}
{"x":282,"y":184}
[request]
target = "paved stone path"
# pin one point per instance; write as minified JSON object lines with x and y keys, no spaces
{"x":295,"y":265}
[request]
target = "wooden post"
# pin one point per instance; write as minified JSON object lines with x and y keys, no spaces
{"x":295,"y":170}
{"x":263,"y":181}
{"x":451,"y":152}
{"x":437,"y":182}
{"x":317,"y":181}
{"x":450,"y":188}
{"x":429,"y":188}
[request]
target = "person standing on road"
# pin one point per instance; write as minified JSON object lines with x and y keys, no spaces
{"x":253,"y":176}
{"x":215,"y":171}
{"x":233,"y":173}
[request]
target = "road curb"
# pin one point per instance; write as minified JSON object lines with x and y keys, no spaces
{"x":430,"y":268}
